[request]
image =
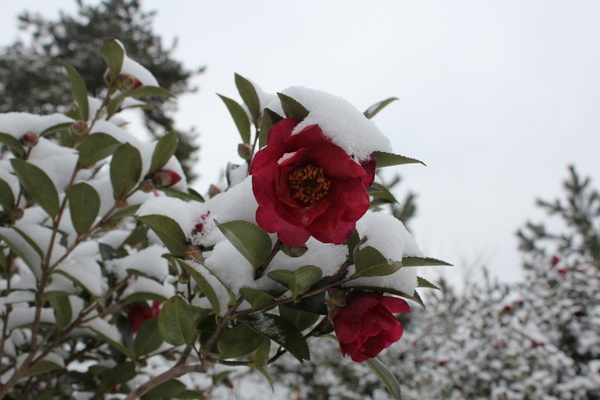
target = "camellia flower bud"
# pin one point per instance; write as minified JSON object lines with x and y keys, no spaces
{"x":213,"y":191}
{"x":191,"y":252}
{"x":109,"y":224}
{"x":128,"y":82}
{"x":80,"y":128}
{"x":245,"y":151}
{"x":147,"y":186}
{"x":122,"y":204}
{"x":296,"y":251}
{"x":16,"y":213}
{"x":184,"y":278}
{"x":29,"y":139}
{"x":165,"y":178}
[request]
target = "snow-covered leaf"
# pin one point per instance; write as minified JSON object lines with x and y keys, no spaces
{"x":292,"y":108}
{"x":256,"y":298}
{"x":113,"y":54}
{"x":12,"y":143}
{"x":165,"y":148}
{"x":125,"y":170}
{"x":251,"y":241}
{"x":422,"y":262}
{"x":269,"y":119}
{"x":370,"y":262}
{"x":168,"y":231}
{"x":298,"y":281}
{"x":84,"y":204}
{"x":96,"y":147}
{"x":384,"y":159}
{"x":38,"y":185}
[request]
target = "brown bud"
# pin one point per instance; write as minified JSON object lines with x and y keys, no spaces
{"x":337,"y":298}
{"x":245,"y":151}
{"x":122,"y":204}
{"x":213,"y":191}
{"x":294,"y":251}
{"x":147,"y":186}
{"x":184,"y":278}
{"x":128,"y":82}
{"x":16,"y":213}
{"x":29,"y":139}
{"x":109,"y":224}
{"x":80,"y":128}
{"x":191,"y":252}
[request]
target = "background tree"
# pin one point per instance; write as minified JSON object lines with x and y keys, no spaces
{"x":34,"y":81}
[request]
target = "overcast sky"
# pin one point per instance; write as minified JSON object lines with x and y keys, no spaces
{"x":496,"y":97}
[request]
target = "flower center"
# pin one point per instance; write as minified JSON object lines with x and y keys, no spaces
{"x":307,"y":184}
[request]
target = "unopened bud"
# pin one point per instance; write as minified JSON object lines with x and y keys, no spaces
{"x":128,"y":82}
{"x":29,"y":139}
{"x":109,"y":224}
{"x":166,"y":178}
{"x":184,"y":278}
{"x":147,"y":186}
{"x":16,"y":213}
{"x":80,"y":128}
{"x":245,"y":151}
{"x":296,"y":251}
{"x":337,"y":298}
{"x":191,"y":252}
{"x":213,"y":191}
{"x":122,"y":204}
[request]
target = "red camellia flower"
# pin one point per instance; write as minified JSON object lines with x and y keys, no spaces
{"x":307,"y":186}
{"x":366,"y":326}
{"x":138,"y":314}
{"x":165,"y":178}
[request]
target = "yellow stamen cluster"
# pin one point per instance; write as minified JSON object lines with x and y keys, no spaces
{"x":307,"y":184}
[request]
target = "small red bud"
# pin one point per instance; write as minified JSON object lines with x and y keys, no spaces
{"x":166,"y":178}
{"x":128,"y":82}
{"x":555,"y":260}
{"x":147,"y":186}
{"x":441,"y":363}
{"x":122,"y":204}
{"x":17,"y":213}
{"x":507,"y":309}
{"x":191,"y":252}
{"x":561,"y":271}
{"x":80,"y":128}
{"x":109,"y":224}
{"x":29,"y":139}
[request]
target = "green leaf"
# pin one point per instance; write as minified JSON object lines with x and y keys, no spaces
{"x":3,"y":259}
{"x":119,"y":346}
{"x":370,"y":262}
{"x":281,"y":331}
{"x":126,"y":212}
{"x":148,"y":338}
{"x":292,"y":108}
{"x":256,"y":298}
{"x":115,"y":376}
{"x":143,"y":91}
{"x":44,"y":367}
{"x":238,"y":341}
{"x":79,"y":91}
{"x":170,"y":389}
{"x":12,"y":143}
{"x":269,"y":119}
{"x":352,"y":243}
{"x":422,"y":282}
{"x":414,"y":297}
{"x":385,"y":376}
{"x":239,"y":117}
{"x":125,"y":170}
{"x":380,"y":192}
{"x":191,"y":195}
{"x":62,"y":310}
{"x":301,"y":319}
{"x":165,"y":148}
{"x":251,"y":241}
{"x":422,"y":262}
{"x":265,"y":373}
{"x":113,"y":54}
{"x":30,"y":242}
{"x":31,"y":263}
{"x":249,"y":95}
{"x":261,"y":355}
{"x":84,"y":204}
{"x":204,"y":286}
{"x":38,"y":185}
{"x":384,"y":159}
{"x":375,"y":108}
{"x":168,"y":231}
{"x":298,"y":281}
{"x":142,"y":296}
{"x":56,"y":128}
{"x":176,"y":321}
{"x":96,"y":147}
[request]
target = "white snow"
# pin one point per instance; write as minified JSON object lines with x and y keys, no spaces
{"x":140,"y":284}
{"x":86,"y":272}
{"x":340,"y":121}
{"x":147,"y":261}
{"x":17,"y":124}
{"x":135,"y":69}
{"x":21,"y":316}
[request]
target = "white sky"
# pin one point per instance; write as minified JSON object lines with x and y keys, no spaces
{"x":497,"y":97}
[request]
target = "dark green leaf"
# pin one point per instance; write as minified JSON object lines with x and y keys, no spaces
{"x":3,"y":259}
{"x":170,"y":389}
{"x":168,"y":231}
{"x":265,"y":373}
{"x":113,"y":54}
{"x":96,"y":147}
{"x":12,"y":143}
{"x":301,"y":319}
{"x":239,"y":117}
{"x":79,"y":91}
{"x":190,"y":196}
{"x":38,"y":185}
{"x":384,"y":159}
{"x":256,"y":298}
{"x":120,"y":374}
{"x":142,"y":296}
{"x":238,"y":342}
{"x":84,"y":204}
{"x":116,"y":345}
{"x":126,"y":212}
{"x":281,"y":331}
{"x":385,"y":376}
{"x":31,"y":263}
{"x":30,"y":242}
{"x":370,"y":262}
{"x":56,"y":128}
{"x":249,"y":95}
{"x":261,"y":355}
{"x":125,"y":170}
{"x":269,"y":119}
{"x":190,"y":394}
{"x":352,"y":243}
{"x":146,"y":91}
{"x":380,"y":192}
{"x":298,"y":281}
{"x":204,"y":286}
{"x":422,"y":282}
{"x":148,"y":338}
{"x":43,"y":367}
{"x":176,"y":321}
{"x":165,"y":148}
{"x":62,"y":310}
{"x":414,"y":297}
{"x":375,"y":108}
{"x":292,"y":108}
{"x":251,"y":241}
{"x":422,"y":262}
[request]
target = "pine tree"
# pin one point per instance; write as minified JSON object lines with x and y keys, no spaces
{"x":33,"y":80}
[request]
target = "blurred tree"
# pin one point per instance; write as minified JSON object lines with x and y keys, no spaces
{"x":34,"y":81}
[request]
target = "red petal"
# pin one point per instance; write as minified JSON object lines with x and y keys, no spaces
{"x":339,"y":235}
{"x":384,"y":318}
{"x":289,"y":234}
{"x":395,"y":305}
{"x":373,"y":346}
{"x":281,"y":131}
{"x":392,"y":336}
{"x":369,"y":167}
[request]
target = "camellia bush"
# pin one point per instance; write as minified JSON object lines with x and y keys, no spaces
{"x":120,"y":282}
